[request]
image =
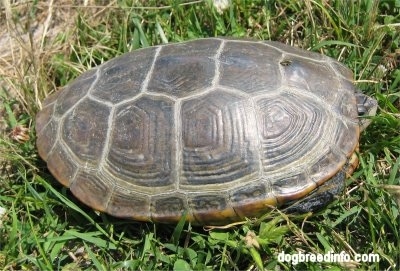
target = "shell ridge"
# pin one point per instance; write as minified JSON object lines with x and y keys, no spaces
{"x":146,"y":81}
{"x":88,"y":94}
{"x":217,"y":73}
{"x":107,"y":141}
{"x":178,"y":143}
{"x":257,"y":135}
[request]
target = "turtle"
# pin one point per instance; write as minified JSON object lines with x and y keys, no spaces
{"x":212,"y":130}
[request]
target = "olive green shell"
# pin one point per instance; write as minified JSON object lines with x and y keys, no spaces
{"x":218,"y":129}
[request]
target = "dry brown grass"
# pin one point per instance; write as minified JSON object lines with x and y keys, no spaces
{"x":28,"y":42}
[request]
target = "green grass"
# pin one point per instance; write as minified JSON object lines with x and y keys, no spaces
{"x":45,"y":228}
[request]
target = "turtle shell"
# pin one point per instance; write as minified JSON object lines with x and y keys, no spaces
{"x":217,"y":129}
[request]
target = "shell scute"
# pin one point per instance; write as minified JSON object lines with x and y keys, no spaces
{"x":126,"y":203}
{"x":84,"y":130}
{"x":90,"y":188}
{"x":288,"y":188}
{"x":216,"y":139}
{"x":61,"y":166}
{"x":73,"y":93}
{"x":326,"y":166}
{"x":211,"y":208}
{"x":142,"y":142}
{"x":290,"y":130}
{"x":122,"y":78}
{"x":184,"y":69}
{"x":169,"y":208}
{"x":243,"y":68}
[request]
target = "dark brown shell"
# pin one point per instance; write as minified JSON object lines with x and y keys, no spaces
{"x":219,"y":128}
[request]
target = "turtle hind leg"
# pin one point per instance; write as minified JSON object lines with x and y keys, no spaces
{"x":321,"y":197}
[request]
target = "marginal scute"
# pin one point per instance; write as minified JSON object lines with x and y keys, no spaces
{"x":74,"y":92}
{"x":327,"y":165}
{"x":211,"y":208}
{"x":43,"y":118}
{"x":252,"y":200}
{"x":243,"y":68}
{"x":168,"y":208}
{"x":346,"y":106}
{"x":346,"y":137}
{"x":84,"y":130}
{"x":126,"y":203}
{"x":61,"y":165}
{"x":292,"y":187}
{"x":92,"y":189}
{"x":46,"y":138}
{"x":50,"y":100}
{"x":142,"y":144}
{"x":342,"y":70}
{"x":121,"y":78}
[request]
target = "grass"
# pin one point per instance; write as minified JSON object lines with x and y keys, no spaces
{"x":42,"y":226}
